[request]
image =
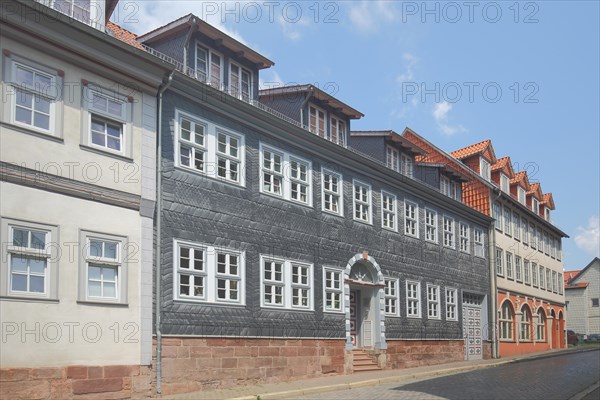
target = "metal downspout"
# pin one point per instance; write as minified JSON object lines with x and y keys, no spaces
{"x":157,"y":298}
{"x":494,"y":284}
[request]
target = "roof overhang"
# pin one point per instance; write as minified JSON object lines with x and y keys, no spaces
{"x":110,"y":8}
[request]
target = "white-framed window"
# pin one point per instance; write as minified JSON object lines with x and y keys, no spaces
{"x":479,"y":249}
{"x":507,"y":221}
{"x":509,"y":265}
{"x":332,"y":189}
{"x":286,"y":284}
{"x":457,"y":190}
{"x":445,"y":186}
{"x":333,"y":290}
{"x":109,"y":119}
{"x":552,"y":246}
{"x":389,"y":218}
{"x":464,"y":237}
{"x":240,"y":82}
{"x":407,"y":165}
{"x":518,"y":269}
{"x":296,"y":186}
{"x":516,"y":226}
{"x":539,"y":240}
{"x":411,"y":218}
{"x":209,"y":66}
{"x":554,"y":282}
{"x":546,"y":243}
{"x":76,"y":9}
{"x":103,"y":273}
{"x":525,"y":323}
{"x":449,"y":232}
{"x":392,"y":158}
{"x":30,"y":264}
{"x":534,"y":274}
{"x":209,"y":149}
{"x":499,"y":262}
{"x":433,"y":302}
{"x":526,"y":272}
{"x":208,"y":274}
{"x":317,"y":121}
{"x":559,"y":249}
{"x":338,"y":131}
{"x":525,"y":231}
{"x":431,"y":225}
{"x":548,"y":280}
{"x":532,"y":236}
{"x":504,"y":183}
{"x":361,"y":201}
{"x":506,"y":322}
{"x":413,"y":299}
{"x":542,"y":271}
{"x":535,"y":205}
{"x":560,"y":283}
{"x":522,"y":195}
{"x":451,"y":299}
{"x":540,"y":326}
{"x":391,"y":297}
{"x":497,"y":210}
{"x":484,"y":167}
{"x":547,"y":214}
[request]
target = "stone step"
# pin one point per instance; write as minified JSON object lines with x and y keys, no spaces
{"x":363,"y":368}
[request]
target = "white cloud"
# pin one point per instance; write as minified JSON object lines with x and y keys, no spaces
{"x":292,"y":29}
{"x":440,"y":114}
{"x":409,"y":62}
{"x":367,"y":16}
{"x":588,"y":238}
{"x":270,"y":79}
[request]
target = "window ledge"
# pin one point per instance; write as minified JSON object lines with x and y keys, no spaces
{"x":106,"y":153}
{"x":327,"y":212}
{"x":102,"y":303}
{"x":27,"y":298}
{"x":367,"y":223}
{"x":33,"y":132}
{"x":241,"y":185}
{"x":209,"y":303}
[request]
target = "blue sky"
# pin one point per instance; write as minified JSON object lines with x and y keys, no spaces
{"x":525,"y":75}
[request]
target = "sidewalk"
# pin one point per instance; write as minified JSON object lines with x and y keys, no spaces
{"x":292,"y":389}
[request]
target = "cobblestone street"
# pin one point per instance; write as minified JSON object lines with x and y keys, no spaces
{"x":553,"y":378}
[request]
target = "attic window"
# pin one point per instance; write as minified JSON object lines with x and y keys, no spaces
{"x":76,"y":9}
{"x":484,"y":168}
{"x":535,"y":206}
{"x":522,"y":195}
{"x":504,"y":183}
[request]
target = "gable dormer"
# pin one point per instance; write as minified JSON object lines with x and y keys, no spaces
{"x":502,"y":173}
{"x":479,"y":157}
{"x":95,"y":13}
{"x":534,"y":198}
{"x":210,"y":55}
{"x":313,"y":109}
{"x":546,"y":206}
{"x":519,"y":186}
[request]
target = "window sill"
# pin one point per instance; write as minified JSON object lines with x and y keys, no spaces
{"x":209,"y":303}
{"x":286,"y":309}
{"x":327,"y":212}
{"x":33,"y":132}
{"x":289,"y":201}
{"x":102,"y":303}
{"x":27,"y":298}
{"x":240,"y":185}
{"x":362,"y":222}
{"x":106,"y":153}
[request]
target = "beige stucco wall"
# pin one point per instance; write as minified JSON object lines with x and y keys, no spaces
{"x":57,"y":342}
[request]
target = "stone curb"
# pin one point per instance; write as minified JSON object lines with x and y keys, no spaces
{"x":400,"y":378}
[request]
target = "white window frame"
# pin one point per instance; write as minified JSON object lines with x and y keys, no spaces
{"x":518,"y":269}
{"x":504,"y":183}
{"x":497,"y":211}
{"x":49,"y":254}
{"x":332,"y":290}
{"x":389,"y":214}
{"x":445,"y":186}
{"x":547,"y":214}
{"x":516,"y":226}
{"x":540,"y":325}
{"x":526,"y":272}
{"x":413,"y":299}
{"x":339,"y":194}
{"x":499,"y":262}
{"x":521,"y":195}
{"x":479,"y":248}
{"x":407,"y":165}
{"x":433,"y":302}
{"x":451,"y":304}
{"x":485,"y":169}
{"x":431,"y":225}
{"x":548,"y":280}
{"x":209,"y":273}
{"x":285,"y":175}
{"x":238,"y":91}
{"x":525,"y":231}
{"x":318,"y":121}
{"x":534,"y":275}
{"x":506,"y":322}
{"x":554,"y":282}
{"x":286,"y":284}
{"x":525,"y":325}
{"x":392,"y":158}
{"x":542,"y":277}
{"x":392,"y":297}
{"x":465,"y":233}
{"x":207,"y":76}
{"x":449,"y":232}
{"x":507,"y":221}
{"x":560,"y":284}
{"x":411,"y":218}
{"x":539,"y":239}
{"x":532,"y":236}
{"x":95,"y":12}
{"x":340,"y":130}
{"x":457,"y":188}
{"x":509,"y":265}
{"x":360,"y":204}
{"x":535,"y":206}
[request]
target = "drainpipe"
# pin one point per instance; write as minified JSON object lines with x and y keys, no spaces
{"x":164,"y":86}
{"x":493,"y":283}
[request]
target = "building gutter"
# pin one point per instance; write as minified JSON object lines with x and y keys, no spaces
{"x":168,"y":79}
{"x":493,"y":278}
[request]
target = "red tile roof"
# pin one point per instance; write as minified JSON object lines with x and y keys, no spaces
{"x":568,"y":278}
{"x":124,"y":35}
{"x":521,"y":179}
{"x":536,"y":190}
{"x":548,"y":200}
{"x":503,"y":164}
{"x":471,"y":150}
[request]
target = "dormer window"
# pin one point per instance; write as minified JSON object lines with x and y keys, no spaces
{"x":317,"y":121}
{"x":457,"y":191}
{"x":504,"y":183}
{"x":392,"y":158}
{"x":338,"y":131}
{"x":484,"y":168}
{"x":547,"y":216}
{"x":535,"y":205}
{"x":76,"y":9}
{"x":240,"y":82}
{"x":522,"y":196}
{"x":209,"y":66}
{"x":407,"y":165}
{"x":445,"y":187}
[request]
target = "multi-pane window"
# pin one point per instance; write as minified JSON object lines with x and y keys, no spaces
{"x":518,"y":269}
{"x":391,"y":296}
{"x":547,"y":214}
{"x":484,"y":168}
{"x":76,"y":9}
{"x":506,"y":321}
{"x":532,"y":236}
{"x":522,"y":195}
{"x":108,"y":116}
{"x":411,"y":219}
{"x":413,"y":299}
{"x":526,"y":272}
{"x":295,"y":186}
{"x":338,"y":131}
{"x":103,"y":268}
{"x":192,"y":144}
{"x":504,"y":183}
{"x":535,"y":205}
{"x":433,"y":301}
{"x":362,"y":201}
{"x":451,"y":299}
{"x":457,"y":191}
{"x":560,"y":283}
{"x":525,"y":324}
{"x":464,"y":237}
{"x":407,"y":165}
{"x":392,"y":158}
{"x":517,"y":226}
{"x":448,"y":232}
{"x":445,"y":187}
{"x":525,"y":231}
{"x":497,"y":210}
{"x":317,"y":121}
{"x":534,"y":274}
{"x":431,"y":224}
{"x":333,"y":290}
{"x":205,"y":273}
{"x":288,"y":284}
{"x":546,"y":243}
{"x":209,"y":66}
{"x":479,"y":249}
{"x":548,"y":280}
{"x":332,"y":192}
{"x":540,"y":240}
{"x":388,"y":211}
{"x":509,"y":265}
{"x":507,"y":221}
{"x":228,"y":156}
{"x":552,"y":247}
{"x":499,"y":262}
{"x":554,"y":282}
{"x":559,"y":249}
{"x":541,"y":326}
{"x":542,"y":271}
{"x":28,"y":261}
{"x":240,"y":82}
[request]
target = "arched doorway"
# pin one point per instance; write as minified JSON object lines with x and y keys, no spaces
{"x":555,"y":334}
{"x":363,"y":292}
